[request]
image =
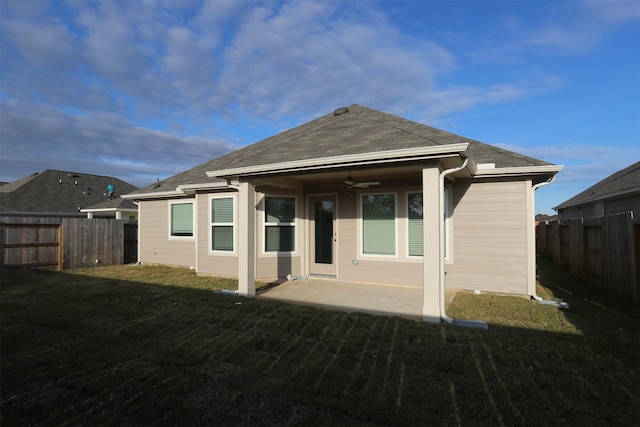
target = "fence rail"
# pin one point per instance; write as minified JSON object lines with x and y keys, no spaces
{"x":66,"y":242}
{"x":604,"y":251}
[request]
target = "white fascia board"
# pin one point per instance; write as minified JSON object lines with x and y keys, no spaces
{"x":518,"y":171}
{"x":376,"y":157}
{"x":156,"y":195}
{"x":108,"y":210}
{"x":203,"y":186}
{"x":180,"y":191}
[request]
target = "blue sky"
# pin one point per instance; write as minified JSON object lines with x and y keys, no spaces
{"x":145,"y":90}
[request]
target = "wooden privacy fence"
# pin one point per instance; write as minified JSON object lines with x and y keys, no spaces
{"x":604,"y":251}
{"x":66,"y":242}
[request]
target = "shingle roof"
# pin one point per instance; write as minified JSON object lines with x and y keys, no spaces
{"x":360,"y":130}
{"x":54,"y":191}
{"x":622,"y":182}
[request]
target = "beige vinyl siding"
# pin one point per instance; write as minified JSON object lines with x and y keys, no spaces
{"x":389,"y":270}
{"x":489,"y":233}
{"x":156,"y":247}
{"x":211,"y":263}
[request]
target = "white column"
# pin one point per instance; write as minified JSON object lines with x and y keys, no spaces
{"x":433,"y":258}
{"x":246,"y":239}
{"x":118,"y":214}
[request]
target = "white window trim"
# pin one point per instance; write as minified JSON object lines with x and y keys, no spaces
{"x":264,"y":224}
{"x":193,"y":219}
{"x":361,"y":225}
{"x":211,"y":251}
{"x":406,"y":204}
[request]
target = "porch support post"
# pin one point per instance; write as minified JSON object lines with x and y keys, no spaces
{"x":246,"y":239}
{"x":432,"y":250}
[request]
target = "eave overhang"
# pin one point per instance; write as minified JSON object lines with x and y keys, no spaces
{"x":192,"y":188}
{"x":183,"y":190}
{"x":154,"y":195}
{"x":362,"y":159}
{"x":517,"y":171}
{"x":107,"y":210}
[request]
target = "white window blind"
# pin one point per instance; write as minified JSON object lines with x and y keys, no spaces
{"x":222,"y":222}
{"x":182,"y":219}
{"x":415,"y":214}
{"x":280,"y":216}
{"x":379,"y":224}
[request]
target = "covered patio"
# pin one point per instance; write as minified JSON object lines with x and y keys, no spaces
{"x":379,"y":299}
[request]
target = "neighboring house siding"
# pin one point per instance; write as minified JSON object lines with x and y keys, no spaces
{"x":209,"y":262}
{"x":155,"y":245}
{"x":586,"y":211}
{"x":489,"y":231}
{"x":606,"y":207}
{"x":623,"y":204}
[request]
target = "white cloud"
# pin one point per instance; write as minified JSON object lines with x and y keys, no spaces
{"x":455,"y":99}
{"x":100,"y":143}
{"x":281,"y":59}
{"x":83,"y":86}
{"x":583,"y":163}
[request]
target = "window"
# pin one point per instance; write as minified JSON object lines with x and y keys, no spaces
{"x":181,"y":219}
{"x":279,"y":224}
{"x":222,"y":224}
{"x":416,"y":235}
{"x":379,"y":224}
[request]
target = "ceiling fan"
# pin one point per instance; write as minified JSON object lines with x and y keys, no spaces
{"x":351,"y":183}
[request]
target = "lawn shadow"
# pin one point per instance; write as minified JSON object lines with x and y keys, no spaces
{"x":80,"y":349}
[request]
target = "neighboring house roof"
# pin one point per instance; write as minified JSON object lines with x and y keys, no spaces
{"x":623,"y":182}
{"x":58,"y":192}
{"x":348,"y":131}
{"x":544,"y":217}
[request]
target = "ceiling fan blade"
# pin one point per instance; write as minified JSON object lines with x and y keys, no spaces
{"x":365,"y":184}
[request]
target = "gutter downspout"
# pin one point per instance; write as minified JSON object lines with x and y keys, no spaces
{"x":137,"y":203}
{"x":474,"y":324}
{"x":534,"y":296}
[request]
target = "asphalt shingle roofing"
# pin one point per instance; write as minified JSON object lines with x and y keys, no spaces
{"x":359,"y":130}
{"x":622,"y":182}
{"x":54,"y":191}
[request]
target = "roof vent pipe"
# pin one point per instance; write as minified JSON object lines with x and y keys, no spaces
{"x":340,"y":111}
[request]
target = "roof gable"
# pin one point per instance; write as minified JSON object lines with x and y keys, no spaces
{"x":355,"y":131}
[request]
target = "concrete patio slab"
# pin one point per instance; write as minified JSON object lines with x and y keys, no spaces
{"x":380,"y":299}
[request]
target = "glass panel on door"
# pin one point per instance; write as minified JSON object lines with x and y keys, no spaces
{"x":323,"y":236}
{"x":323,"y":216}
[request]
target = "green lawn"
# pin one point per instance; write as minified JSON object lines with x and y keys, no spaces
{"x":156,"y":346}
